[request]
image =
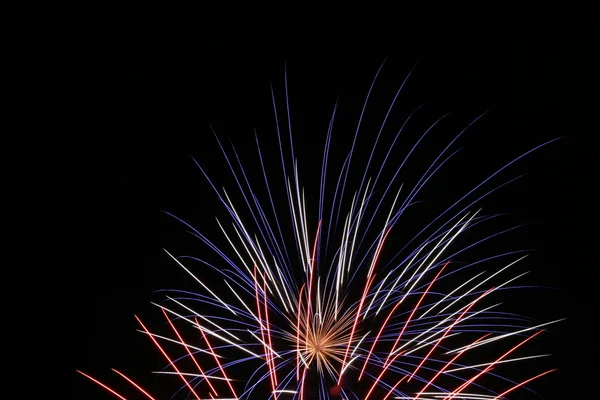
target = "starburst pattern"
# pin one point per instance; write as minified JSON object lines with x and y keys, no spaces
{"x":337,"y":315}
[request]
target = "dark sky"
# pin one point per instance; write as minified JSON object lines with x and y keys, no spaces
{"x":138,"y":107}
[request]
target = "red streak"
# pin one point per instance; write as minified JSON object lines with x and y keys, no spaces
{"x":188,"y":350}
{"x":523,"y":383}
{"x":302,"y":385}
{"x":103,"y":385}
{"x":464,"y":385}
{"x":270,"y":354}
{"x":298,"y":334}
{"x":448,"y":331}
{"x":405,"y":324}
{"x":394,"y":388}
{"x":448,"y":364}
{"x":310,"y":280}
{"x":138,"y":387}
{"x":216,"y":359}
{"x":381,"y":374}
{"x":362,"y":300}
{"x":168,"y":359}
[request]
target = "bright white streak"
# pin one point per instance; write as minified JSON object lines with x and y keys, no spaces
{"x":345,"y":264}
{"x":284,"y":286}
{"x":497,"y":362}
{"x":248,"y":241}
{"x":243,"y":303}
{"x":398,"y":280}
{"x":473,"y":396}
{"x":482,"y":282}
{"x":319,"y":309}
{"x":295,"y":220}
{"x":358,"y":344}
{"x":382,"y":235}
{"x":202,"y":317}
{"x":200,"y":282}
{"x":234,"y":247}
{"x":190,"y":374}
{"x":176,"y":341}
{"x":451,"y":293}
{"x":376,"y":293}
{"x":258,"y":258}
{"x":246,"y":234}
{"x":436,"y":257}
{"x":302,"y":358}
{"x":340,"y":267}
{"x":465,"y":318}
{"x":358,"y":220}
{"x":442,"y":322}
{"x":306,"y":239}
{"x":439,"y":253}
{"x":422,"y":344}
{"x":302,"y":214}
{"x":264,"y":344}
{"x":347,"y":365}
{"x":270,"y":273}
{"x":442,"y":395}
{"x":209,"y":331}
{"x":506,"y":335}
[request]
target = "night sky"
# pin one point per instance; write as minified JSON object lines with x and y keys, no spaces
{"x":140,"y":107}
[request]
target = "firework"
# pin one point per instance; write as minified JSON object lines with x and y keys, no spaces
{"x":346,"y":311}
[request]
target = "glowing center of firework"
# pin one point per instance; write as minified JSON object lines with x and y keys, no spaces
{"x":322,"y":347}
{"x":323,"y":342}
{"x":318,"y":346}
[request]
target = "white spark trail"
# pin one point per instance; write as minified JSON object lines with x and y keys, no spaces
{"x":201,"y":283}
{"x":203,"y":329}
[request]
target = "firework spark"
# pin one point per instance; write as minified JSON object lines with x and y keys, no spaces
{"x":343,"y":318}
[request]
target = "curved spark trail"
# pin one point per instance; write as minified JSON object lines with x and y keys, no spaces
{"x":347,"y":311}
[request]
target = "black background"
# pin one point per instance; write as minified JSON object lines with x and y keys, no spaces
{"x":131,"y":105}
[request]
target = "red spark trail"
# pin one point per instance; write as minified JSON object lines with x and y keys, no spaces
{"x":103,"y":385}
{"x":464,"y":385}
{"x":448,"y":364}
{"x":216,"y":359}
{"x":168,"y":359}
{"x":298,"y":334}
{"x":362,"y":300}
{"x":270,"y":354}
{"x":448,"y":331}
{"x":138,"y":387}
{"x":188,"y":350}
{"x":523,"y":383}
{"x":405,"y":324}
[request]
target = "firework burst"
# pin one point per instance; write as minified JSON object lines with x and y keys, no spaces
{"x":339,"y":314}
